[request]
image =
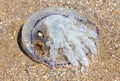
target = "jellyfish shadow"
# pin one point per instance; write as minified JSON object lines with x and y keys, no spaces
{"x":19,"y":42}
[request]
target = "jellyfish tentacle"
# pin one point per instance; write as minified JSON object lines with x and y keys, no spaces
{"x":68,"y":52}
{"x":79,"y":54}
{"x":87,"y":31}
{"x":89,"y":43}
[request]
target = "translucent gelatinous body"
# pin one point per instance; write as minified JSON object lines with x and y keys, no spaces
{"x":58,"y":36}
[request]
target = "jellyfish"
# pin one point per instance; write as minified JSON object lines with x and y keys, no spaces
{"x":58,"y":36}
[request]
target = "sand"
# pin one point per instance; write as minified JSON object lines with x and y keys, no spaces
{"x":16,"y":66}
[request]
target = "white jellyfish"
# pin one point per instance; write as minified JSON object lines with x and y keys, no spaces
{"x":59,"y":36}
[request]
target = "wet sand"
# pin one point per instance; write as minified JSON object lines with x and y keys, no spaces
{"x":16,"y":66}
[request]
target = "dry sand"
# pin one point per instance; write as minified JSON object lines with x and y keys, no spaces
{"x":16,"y":66}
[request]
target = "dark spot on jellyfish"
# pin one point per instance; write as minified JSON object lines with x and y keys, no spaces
{"x":86,"y":54}
{"x":41,"y":48}
{"x":97,"y":30}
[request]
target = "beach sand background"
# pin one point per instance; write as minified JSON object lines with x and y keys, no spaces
{"x":16,"y":66}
